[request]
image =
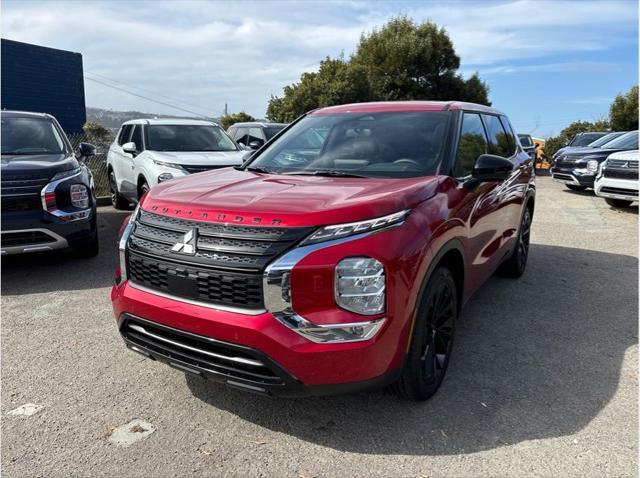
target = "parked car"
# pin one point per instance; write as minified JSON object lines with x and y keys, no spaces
{"x":617,"y":180}
{"x":254,"y":135}
{"x":147,"y":152}
{"x":345,"y":269}
{"x":598,"y":143}
{"x":526,"y":141}
{"x":577,"y":169}
{"x":48,"y":199}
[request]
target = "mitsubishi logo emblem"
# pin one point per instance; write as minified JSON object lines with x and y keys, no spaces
{"x":188,"y":243}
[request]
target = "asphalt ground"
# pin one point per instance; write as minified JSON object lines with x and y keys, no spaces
{"x":543,"y":380}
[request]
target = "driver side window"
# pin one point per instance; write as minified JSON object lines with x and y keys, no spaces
{"x":472,"y":143}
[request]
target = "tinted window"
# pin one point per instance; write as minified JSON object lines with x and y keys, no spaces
{"x":188,"y":138}
{"x":585,"y":138}
{"x":271,"y":131}
{"x":473,"y":143}
{"x":525,"y":140}
{"x":390,"y":144}
{"x":242,"y":136}
{"x":125,"y":134}
{"x":136,"y":137}
{"x":30,"y":136}
{"x":499,"y":143}
{"x":605,"y":139}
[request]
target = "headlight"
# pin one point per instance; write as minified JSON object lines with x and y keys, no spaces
{"x":79,"y":196}
{"x":592,"y":165}
{"x":337,"y":231}
{"x":165,"y":177}
{"x":168,"y":165}
{"x":360,"y":285}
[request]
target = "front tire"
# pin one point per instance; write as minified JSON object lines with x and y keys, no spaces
{"x":432,"y":338}
{"x":516,"y":264}
{"x":618,"y":202}
{"x":117,"y":201}
{"x":574,"y":187}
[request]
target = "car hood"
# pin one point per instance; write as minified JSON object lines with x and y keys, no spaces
{"x":200,"y":158}
{"x":37,"y":165}
{"x":244,"y":197}
{"x":590,"y":152}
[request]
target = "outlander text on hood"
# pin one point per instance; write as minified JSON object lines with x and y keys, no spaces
{"x":337,"y":259}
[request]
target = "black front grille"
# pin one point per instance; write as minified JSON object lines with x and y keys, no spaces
{"x":21,"y":192}
{"x":564,"y":177}
{"x":200,"y":169}
{"x":622,"y":191}
{"x":25,"y":238}
{"x":204,"y":354}
{"x":225,"y":268}
{"x":619,"y":173}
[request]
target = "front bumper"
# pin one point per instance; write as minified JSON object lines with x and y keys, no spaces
{"x":573,"y":176}
{"x":624,"y":189}
{"x":303,"y":367}
{"x":37,"y":231}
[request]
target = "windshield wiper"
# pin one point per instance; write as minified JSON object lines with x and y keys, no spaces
{"x":326,"y":172}
{"x":258,"y":169}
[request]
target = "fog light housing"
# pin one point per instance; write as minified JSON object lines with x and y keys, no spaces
{"x":165,"y":177}
{"x":359,"y":285}
{"x":592,"y":166}
{"x":79,"y":196}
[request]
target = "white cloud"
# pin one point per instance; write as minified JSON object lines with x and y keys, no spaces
{"x":209,"y":53}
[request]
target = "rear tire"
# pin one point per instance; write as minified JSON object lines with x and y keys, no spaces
{"x":516,"y":264}
{"x":432,"y":339}
{"x":117,"y":201}
{"x":573,"y":187}
{"x":618,"y":202}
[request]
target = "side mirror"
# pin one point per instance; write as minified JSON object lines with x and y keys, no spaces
{"x":85,"y":150}
{"x":256,"y":144}
{"x":130,"y":148}
{"x":489,"y":167}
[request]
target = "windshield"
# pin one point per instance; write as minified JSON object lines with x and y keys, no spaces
{"x":585,"y":138}
{"x":22,"y":136}
{"x":397,"y":144}
{"x":169,"y":137}
{"x":525,"y":140}
{"x":626,"y":141}
{"x":605,"y":139}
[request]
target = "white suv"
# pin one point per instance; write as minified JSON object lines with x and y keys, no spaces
{"x":617,"y":181}
{"x":149,"y":151}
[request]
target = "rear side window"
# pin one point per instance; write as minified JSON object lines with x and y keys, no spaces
{"x":499,"y":141}
{"x":124,"y":135}
{"x":473,"y":143}
{"x":232,"y":132}
{"x":136,"y":137}
{"x":242,"y":136}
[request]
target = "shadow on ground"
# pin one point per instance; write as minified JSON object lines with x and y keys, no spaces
{"x":535,"y":358}
{"x":60,"y":270}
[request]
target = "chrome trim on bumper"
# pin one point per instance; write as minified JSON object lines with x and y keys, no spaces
{"x":573,"y":179}
{"x":224,"y":308}
{"x":64,"y":215}
{"x":58,"y":242}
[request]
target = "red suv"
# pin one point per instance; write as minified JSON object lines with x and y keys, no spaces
{"x":336,"y":258}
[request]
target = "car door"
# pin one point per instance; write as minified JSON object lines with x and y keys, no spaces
{"x":135,"y":162}
{"x":120,"y":161}
{"x":479,"y":203}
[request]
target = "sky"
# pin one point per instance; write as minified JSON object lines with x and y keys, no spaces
{"x":547,"y":63}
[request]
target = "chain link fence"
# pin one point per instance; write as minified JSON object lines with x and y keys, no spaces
{"x":98,"y":163}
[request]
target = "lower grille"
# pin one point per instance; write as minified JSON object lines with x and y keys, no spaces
{"x":236,"y":289}
{"x":626,"y":192}
{"x":564,"y":177}
{"x":203,"y":353}
{"x":25,"y":238}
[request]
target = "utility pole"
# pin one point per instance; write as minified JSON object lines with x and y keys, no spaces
{"x":225,"y":109}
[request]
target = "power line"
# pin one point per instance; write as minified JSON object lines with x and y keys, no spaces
{"x":146,"y":97}
{"x":155,"y":94}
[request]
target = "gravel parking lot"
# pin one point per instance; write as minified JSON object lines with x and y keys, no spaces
{"x":543,"y":380}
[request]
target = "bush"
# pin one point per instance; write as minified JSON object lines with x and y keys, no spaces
{"x":228,"y":120}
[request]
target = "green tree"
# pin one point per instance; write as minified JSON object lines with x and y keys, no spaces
{"x":400,"y":61}
{"x":97,"y":133}
{"x":623,"y":112}
{"x":241,"y":117}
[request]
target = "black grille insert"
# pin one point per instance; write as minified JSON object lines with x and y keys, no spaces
{"x":209,"y":355}
{"x":21,"y":192}
{"x":25,"y":238}
{"x":621,"y":191}
{"x":227,"y":264}
{"x":200,"y":169}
